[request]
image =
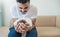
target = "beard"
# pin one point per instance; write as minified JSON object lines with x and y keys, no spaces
{"x":23,"y":12}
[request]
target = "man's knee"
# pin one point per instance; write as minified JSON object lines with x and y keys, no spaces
{"x":13,"y":33}
{"x":32,"y":33}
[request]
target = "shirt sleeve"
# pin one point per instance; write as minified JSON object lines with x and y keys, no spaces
{"x":13,"y":12}
{"x":34,"y":14}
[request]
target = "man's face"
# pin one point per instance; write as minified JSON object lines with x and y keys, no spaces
{"x":23,"y":7}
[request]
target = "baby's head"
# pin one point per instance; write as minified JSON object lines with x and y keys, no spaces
{"x":23,"y":21}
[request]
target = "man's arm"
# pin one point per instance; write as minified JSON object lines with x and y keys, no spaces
{"x":33,"y":22}
{"x":17,"y":27}
{"x":12,"y":21}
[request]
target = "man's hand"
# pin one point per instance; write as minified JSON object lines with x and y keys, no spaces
{"x":21,"y":28}
{"x":28,"y":27}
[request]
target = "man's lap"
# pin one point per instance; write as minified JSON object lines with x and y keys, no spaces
{"x":31,"y":33}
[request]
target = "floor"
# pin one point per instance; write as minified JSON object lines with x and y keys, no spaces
{"x":4,"y":31}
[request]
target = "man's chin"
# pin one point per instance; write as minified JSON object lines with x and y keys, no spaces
{"x":24,"y":12}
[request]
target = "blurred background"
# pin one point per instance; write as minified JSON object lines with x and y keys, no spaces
{"x":44,"y":7}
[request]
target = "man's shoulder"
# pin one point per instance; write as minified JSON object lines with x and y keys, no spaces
{"x":33,"y":7}
{"x":14,"y":6}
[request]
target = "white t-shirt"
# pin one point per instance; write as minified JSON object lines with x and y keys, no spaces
{"x":31,"y":13}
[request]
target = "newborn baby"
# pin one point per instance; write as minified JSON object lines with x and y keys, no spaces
{"x":23,"y":20}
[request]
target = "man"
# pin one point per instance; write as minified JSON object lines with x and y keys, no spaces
{"x":23,"y":9}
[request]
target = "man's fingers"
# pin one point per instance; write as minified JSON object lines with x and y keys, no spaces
{"x":20,"y":30}
{"x":23,"y":31}
{"x":17,"y":30}
{"x":29,"y":28}
{"x":22,"y":26}
{"x":16,"y":27}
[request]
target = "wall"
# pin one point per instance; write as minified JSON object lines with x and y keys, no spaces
{"x":0,"y":13}
{"x":45,"y":7}
{"x":6,"y":10}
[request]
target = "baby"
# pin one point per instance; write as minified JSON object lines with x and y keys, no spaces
{"x":23,"y":20}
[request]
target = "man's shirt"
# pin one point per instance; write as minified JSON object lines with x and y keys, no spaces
{"x":31,"y":13}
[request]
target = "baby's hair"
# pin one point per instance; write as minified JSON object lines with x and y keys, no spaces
{"x":21,"y":21}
